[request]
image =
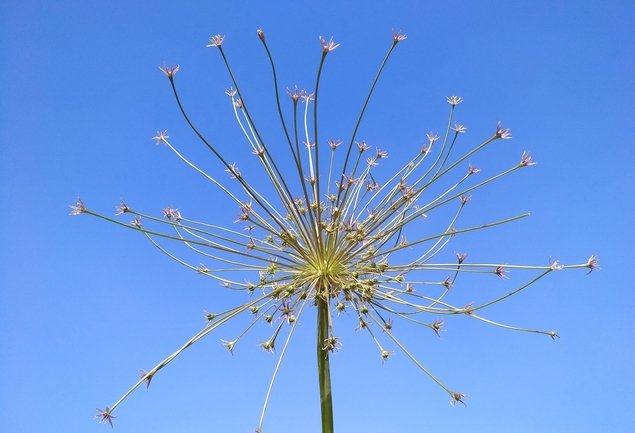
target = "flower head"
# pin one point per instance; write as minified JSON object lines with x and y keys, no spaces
{"x":146,"y":376}
{"x":333,"y":143}
{"x":454,"y":100}
{"x":398,"y":37}
{"x":457,"y":398}
{"x":502,"y":133}
{"x":295,"y":95}
{"x":161,"y":137}
{"x":78,"y":208}
{"x":136,"y":222}
{"x":472,"y":170}
{"x":460,"y":257}
{"x":122,"y":209}
{"x":261,"y":35}
{"x":459,"y":128}
{"x":329,"y":46}
{"x":436,"y":327}
{"x":500,"y":271}
{"x":170,"y":72}
{"x":592,"y":264}
{"x":465,"y":198}
{"x":526,"y":160}
{"x":330,"y":237}
{"x":216,"y":41}
{"x":555,"y":265}
{"x":105,"y":416}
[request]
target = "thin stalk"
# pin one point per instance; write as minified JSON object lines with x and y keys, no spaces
{"x":324,"y":373}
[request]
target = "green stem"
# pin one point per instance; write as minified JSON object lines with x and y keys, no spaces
{"x":324,"y":374}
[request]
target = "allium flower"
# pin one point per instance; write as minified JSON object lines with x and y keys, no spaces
{"x":295,"y":95}
{"x":330,"y":234}
{"x":454,"y":100}
{"x":502,"y":133}
{"x":105,"y":416}
{"x":500,"y":271}
{"x":78,"y":208}
{"x":161,"y":137}
{"x":459,"y":128}
{"x":398,"y":37}
{"x":592,"y":264}
{"x":122,"y":209}
{"x":526,"y":160}
{"x":216,"y":41}
{"x":145,"y":376}
{"x":169,"y":72}
{"x":457,"y":398}
{"x":329,"y":46}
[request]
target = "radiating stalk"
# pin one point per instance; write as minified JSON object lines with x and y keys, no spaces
{"x":324,"y":373}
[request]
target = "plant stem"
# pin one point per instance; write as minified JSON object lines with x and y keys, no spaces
{"x":324,"y":374}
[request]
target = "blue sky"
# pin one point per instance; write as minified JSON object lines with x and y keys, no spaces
{"x":84,"y":304}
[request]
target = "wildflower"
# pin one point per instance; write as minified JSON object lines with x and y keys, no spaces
{"x":526,"y":160}
{"x":457,"y":398}
{"x":398,"y":37}
{"x":145,"y":375}
{"x":332,"y":344}
{"x":269,"y":346}
{"x":169,"y":72}
{"x":78,"y":208}
{"x":362,"y":249}
{"x":447,"y":283}
{"x":295,"y":95}
{"x":329,"y":46}
{"x":172,"y":214}
{"x":233,"y":171}
{"x":229,"y":345}
{"x":500,"y":271}
{"x":161,"y":137}
{"x":460,"y":257}
{"x":285,"y":309}
{"x":136,"y":222}
{"x":105,"y":415}
{"x":385,"y":354}
{"x":121,"y":209}
{"x":555,"y":265}
{"x":454,"y":100}
{"x":216,"y":41}
{"x":333,"y":143}
{"x":362,"y":146}
{"x":502,"y":133}
{"x":459,"y":128}
{"x":436,"y":327}
{"x":472,"y":170}
{"x":381,"y":154}
{"x":592,"y":264}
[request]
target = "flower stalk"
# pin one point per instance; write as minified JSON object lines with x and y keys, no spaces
{"x":324,"y":372}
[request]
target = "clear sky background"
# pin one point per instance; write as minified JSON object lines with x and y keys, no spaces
{"x":84,"y":303}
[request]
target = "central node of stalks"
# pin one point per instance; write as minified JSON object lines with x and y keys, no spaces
{"x":327,"y":277}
